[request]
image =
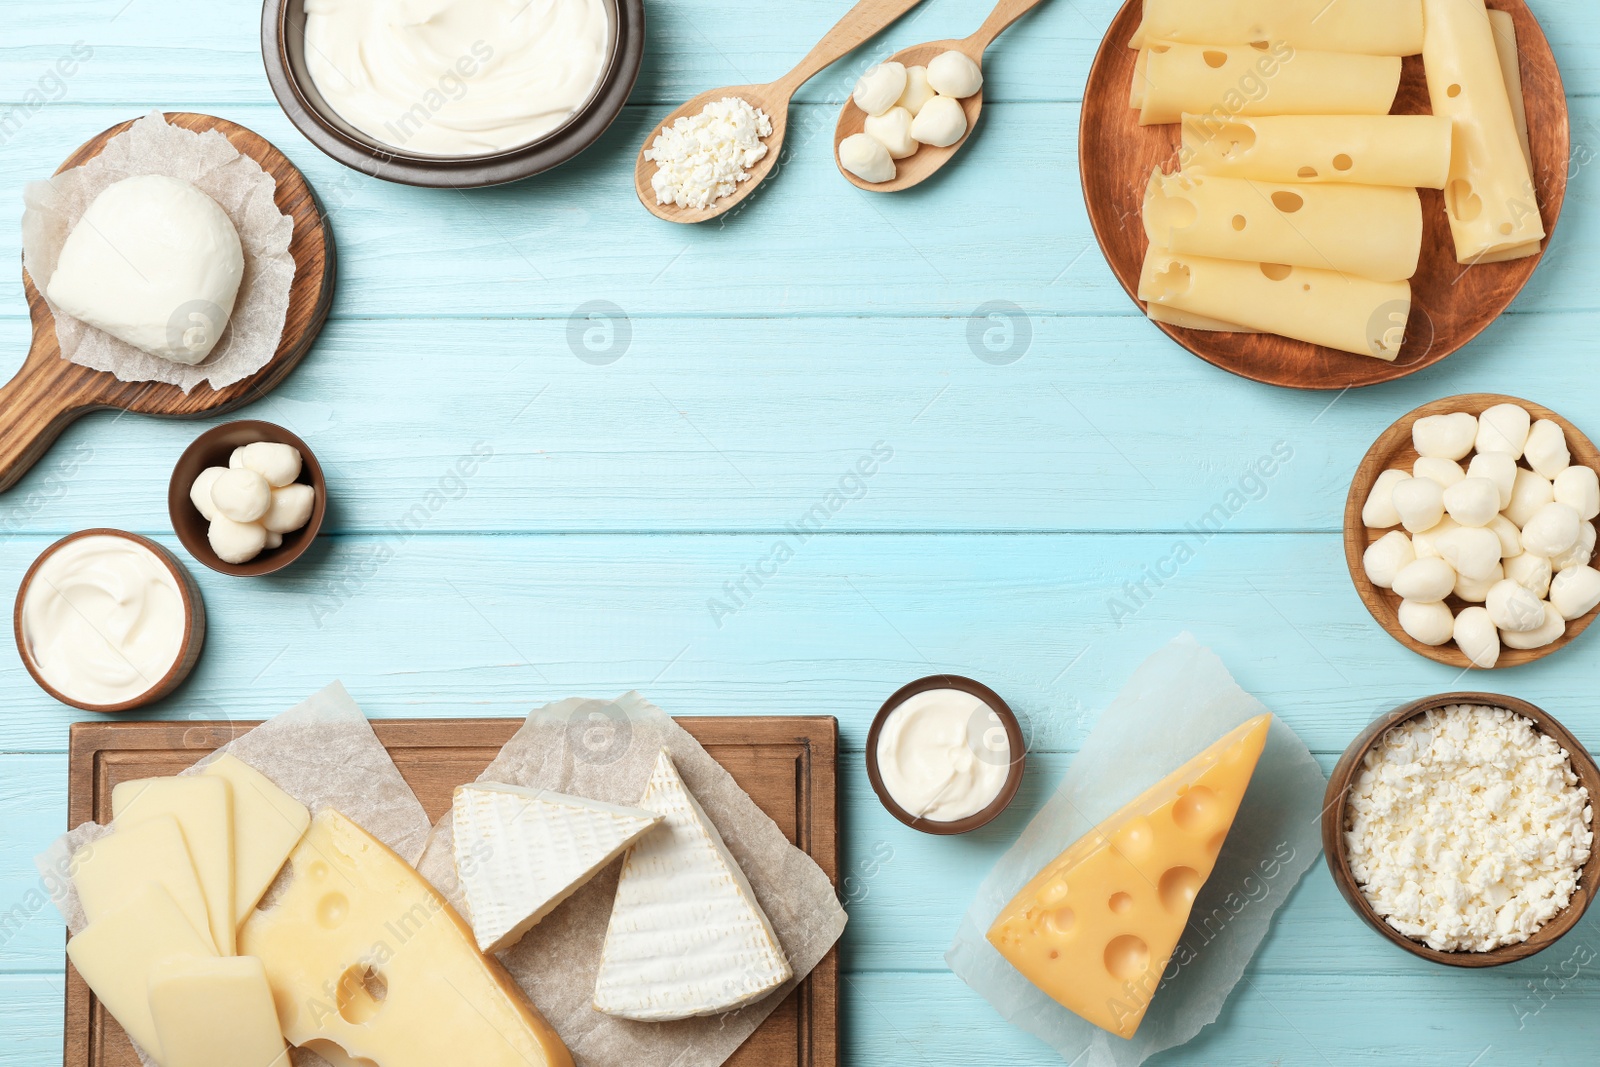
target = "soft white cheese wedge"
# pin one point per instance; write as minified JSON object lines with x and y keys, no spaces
{"x":520,"y":852}
{"x":687,"y":936}
{"x":153,"y":262}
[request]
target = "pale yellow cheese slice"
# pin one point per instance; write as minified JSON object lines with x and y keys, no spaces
{"x":204,"y":810}
{"x":116,"y":953}
{"x":1367,"y":230}
{"x":107,"y":871}
{"x":1489,"y":199}
{"x":1505,"y":45}
{"x":367,"y":962}
{"x":215,"y":1013}
{"x":1395,"y":150}
{"x":1238,"y":79}
{"x":1368,"y":27}
{"x":1174,"y":317}
{"x":1094,"y":930}
{"x":1321,"y":307}
{"x":267,"y":824}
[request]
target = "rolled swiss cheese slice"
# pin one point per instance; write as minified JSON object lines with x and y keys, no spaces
{"x":1365,"y":27}
{"x":1489,"y":199}
{"x":1317,"y":306}
{"x":1174,"y":317}
{"x":1274,"y":79}
{"x":1393,"y":150}
{"x":1505,"y":46}
{"x":1367,"y":230}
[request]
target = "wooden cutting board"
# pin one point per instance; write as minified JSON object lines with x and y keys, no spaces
{"x":785,"y":764}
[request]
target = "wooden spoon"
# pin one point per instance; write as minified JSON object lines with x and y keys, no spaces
{"x":927,"y":159}
{"x":863,"y":22}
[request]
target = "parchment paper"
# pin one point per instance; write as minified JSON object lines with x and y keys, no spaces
{"x":1175,"y":705}
{"x":236,"y":182}
{"x":605,"y":750}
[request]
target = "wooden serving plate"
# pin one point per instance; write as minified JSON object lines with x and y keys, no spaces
{"x":1451,"y":304}
{"x":1333,"y":843}
{"x":1393,"y":448}
{"x":787,"y":765}
{"x":49,"y":393}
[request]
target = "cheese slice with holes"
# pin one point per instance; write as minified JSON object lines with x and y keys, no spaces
{"x":687,"y":936}
{"x":106,"y":871}
{"x":215,"y":1012}
{"x":1238,"y":79}
{"x":1367,"y":27}
{"x":520,"y":852}
{"x":367,"y":963}
{"x":1352,"y":229}
{"x":1409,"y":151}
{"x":1489,"y":200}
{"x":1094,"y":930}
{"x":267,"y":824}
{"x":1321,"y":307}
{"x":203,"y":808}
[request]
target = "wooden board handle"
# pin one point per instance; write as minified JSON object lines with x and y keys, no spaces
{"x":47,"y":395}
{"x":861,"y":23}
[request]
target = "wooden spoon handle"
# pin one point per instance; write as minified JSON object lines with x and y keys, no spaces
{"x":1004,"y":14}
{"x":861,"y":23}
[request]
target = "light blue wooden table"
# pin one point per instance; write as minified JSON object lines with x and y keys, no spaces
{"x":1048,"y":446}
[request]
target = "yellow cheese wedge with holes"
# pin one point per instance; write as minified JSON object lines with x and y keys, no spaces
{"x":1096,"y":927}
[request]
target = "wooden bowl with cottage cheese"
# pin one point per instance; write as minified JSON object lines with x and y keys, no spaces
{"x":1350,"y":797}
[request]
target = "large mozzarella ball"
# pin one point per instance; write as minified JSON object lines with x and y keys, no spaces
{"x":1529,"y":493}
{"x":1419,"y":502}
{"x":1470,"y":550}
{"x":1425,"y":581}
{"x":954,"y":74}
{"x":1546,"y":450}
{"x":200,"y":491}
{"x":880,"y":87}
{"x":1432,"y":624}
{"x":1477,"y":637}
{"x":1531,"y":572}
{"x":1575,"y":591}
{"x":236,"y":542}
{"x":1386,"y":557}
{"x":1445,"y":436}
{"x":1476,"y":590}
{"x":866,"y":158}
{"x":1554,"y":626}
{"x":1581,"y":552}
{"x":1579,"y":489}
{"x":279,"y":464}
{"x":1503,"y":428}
{"x":1499,"y":468}
{"x":1446,"y":472}
{"x":1472,"y":501}
{"x":918,"y":91}
{"x":291,"y":508}
{"x":1552,"y":530}
{"x":241,"y":494}
{"x":940,"y":123}
{"x":1378,"y":512}
{"x":1513,"y":608}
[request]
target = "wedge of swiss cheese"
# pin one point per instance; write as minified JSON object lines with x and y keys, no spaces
{"x":1095,"y":929}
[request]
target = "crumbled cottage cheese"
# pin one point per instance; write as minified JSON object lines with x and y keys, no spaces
{"x":703,"y":157}
{"x":1467,"y":828}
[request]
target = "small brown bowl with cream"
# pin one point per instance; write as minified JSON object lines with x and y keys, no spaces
{"x":106,"y":620}
{"x":519,"y":92}
{"x":945,"y":754}
{"x":1453,"y":776}
{"x":281,"y":542}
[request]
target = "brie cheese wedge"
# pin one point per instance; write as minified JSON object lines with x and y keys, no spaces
{"x":687,"y":936}
{"x":520,"y":852}
{"x":153,"y":262}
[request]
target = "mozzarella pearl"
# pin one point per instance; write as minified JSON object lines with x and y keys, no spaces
{"x":200,"y":491}
{"x":1378,"y":512}
{"x":279,"y":464}
{"x":1581,"y":552}
{"x":1546,"y":450}
{"x":1510,"y":536}
{"x":1499,"y":468}
{"x":1386,"y":557}
{"x":892,"y":129}
{"x":1477,"y":637}
{"x":1472,"y":501}
{"x":236,"y":542}
{"x":1575,"y":592}
{"x":1425,"y":581}
{"x":954,"y":74}
{"x":1529,"y":493}
{"x":1420,"y":503}
{"x":1554,"y":626}
{"x":866,"y":158}
{"x":1426,"y":544}
{"x":1503,"y":428}
{"x":241,"y":495}
{"x":1552,"y":530}
{"x":290,"y":510}
{"x":1444,"y":436}
{"x":1579,"y":489}
{"x":1476,"y":590}
{"x":1531,"y":572}
{"x":940,"y":123}
{"x":1432,"y":624}
{"x":918,"y":91}
{"x":1472,"y":551}
{"x":1446,"y":472}
{"x":1513,"y":608}
{"x":879,"y":88}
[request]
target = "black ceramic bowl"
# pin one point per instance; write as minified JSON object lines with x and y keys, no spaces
{"x":283,"y":51}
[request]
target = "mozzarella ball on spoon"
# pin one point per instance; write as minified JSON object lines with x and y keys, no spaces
{"x":1546,"y":450}
{"x":1513,"y":608}
{"x":1432,"y":624}
{"x":1503,"y":428}
{"x":1378,"y":512}
{"x":954,"y":74}
{"x":1575,"y":592}
{"x":1386,"y":557}
{"x":1419,"y":502}
{"x":1554,"y":626}
{"x":1477,"y":637}
{"x":1529,"y":493}
{"x":1531,"y":572}
{"x":1579,"y":489}
{"x":1499,"y":468}
{"x":866,"y":158}
{"x":918,"y":91}
{"x":1444,"y":436}
{"x":878,"y":89}
{"x":236,"y":542}
{"x":241,"y":494}
{"x":940,"y":123}
{"x":1472,"y":501}
{"x":892,"y":129}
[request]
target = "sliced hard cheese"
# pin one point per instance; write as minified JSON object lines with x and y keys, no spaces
{"x":1489,"y":200}
{"x":204,"y":810}
{"x":1237,"y":79}
{"x":1364,"y":230}
{"x":151,"y":852}
{"x":1318,"y":306}
{"x":366,"y":961}
{"x":215,"y":1013}
{"x":1369,"y":27}
{"x":1410,"y":151}
{"x":267,"y":824}
{"x":520,"y":852}
{"x":1173,"y":317}
{"x":1095,"y":928}
{"x":687,"y":936}
{"x":1505,"y":46}
{"x":116,"y":953}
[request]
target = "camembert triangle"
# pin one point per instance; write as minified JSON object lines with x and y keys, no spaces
{"x":1096,"y":928}
{"x":520,"y":852}
{"x":687,"y":936}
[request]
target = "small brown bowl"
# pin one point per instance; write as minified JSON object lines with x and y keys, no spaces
{"x":194,"y":626}
{"x":1008,"y":719}
{"x":212,"y":449}
{"x":283,"y":48}
{"x":1393,"y":448}
{"x":1333,"y":842}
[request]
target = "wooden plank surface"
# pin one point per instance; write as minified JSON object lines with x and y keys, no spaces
{"x":787,"y":765}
